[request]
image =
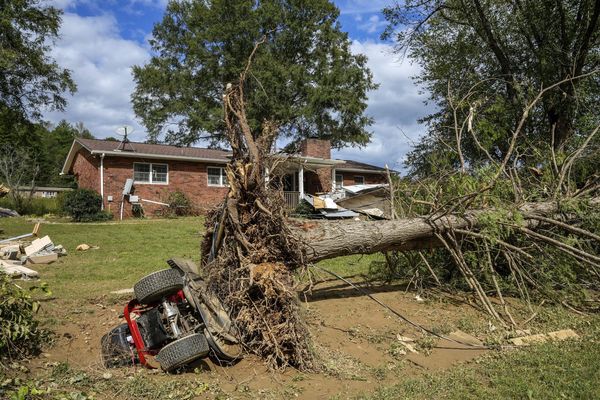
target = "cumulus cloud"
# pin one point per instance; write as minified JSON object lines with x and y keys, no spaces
{"x":395,"y":106}
{"x":100,"y":61}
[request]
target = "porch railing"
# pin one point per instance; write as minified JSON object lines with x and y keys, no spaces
{"x":292,"y":199}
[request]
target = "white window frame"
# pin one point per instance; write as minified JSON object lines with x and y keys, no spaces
{"x":359,"y":176}
{"x":151,"y":181}
{"x":222,"y":175}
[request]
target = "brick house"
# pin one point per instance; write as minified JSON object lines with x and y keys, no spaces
{"x":157,"y":170}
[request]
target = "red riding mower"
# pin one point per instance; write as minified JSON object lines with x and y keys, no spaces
{"x":171,"y":322}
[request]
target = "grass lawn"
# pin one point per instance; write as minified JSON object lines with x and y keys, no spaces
{"x":127,"y":251}
{"x":131,"y":249}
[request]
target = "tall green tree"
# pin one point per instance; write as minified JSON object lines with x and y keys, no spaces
{"x":304,"y":77}
{"x":30,"y":80}
{"x":484,"y":60}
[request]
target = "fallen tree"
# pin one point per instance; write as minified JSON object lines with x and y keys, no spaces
{"x":324,"y":240}
{"x":252,"y":251}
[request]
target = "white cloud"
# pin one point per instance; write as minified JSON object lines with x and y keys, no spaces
{"x":100,"y":61}
{"x":395,"y":106}
{"x":374,"y":24}
{"x":361,"y":6}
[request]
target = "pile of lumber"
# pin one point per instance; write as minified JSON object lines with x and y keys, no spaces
{"x":15,"y":256}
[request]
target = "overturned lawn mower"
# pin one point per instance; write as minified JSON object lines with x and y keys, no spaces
{"x":171,"y":322}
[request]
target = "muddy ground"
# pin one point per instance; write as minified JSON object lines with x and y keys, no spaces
{"x":355,"y":337}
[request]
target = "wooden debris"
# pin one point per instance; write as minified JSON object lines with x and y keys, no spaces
{"x":38,"y":245}
{"x":42,"y":258}
{"x":544,"y":337}
{"x":15,"y":270}
{"x":407,"y":342}
{"x":464,"y":337}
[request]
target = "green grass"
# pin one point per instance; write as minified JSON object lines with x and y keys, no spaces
{"x":127,"y":251}
{"x":559,"y":370}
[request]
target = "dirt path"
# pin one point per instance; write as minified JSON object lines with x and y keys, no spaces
{"x":355,"y":337}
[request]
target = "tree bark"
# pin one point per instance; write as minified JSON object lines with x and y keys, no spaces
{"x":328,"y":239}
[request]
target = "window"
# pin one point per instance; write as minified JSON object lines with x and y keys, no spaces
{"x":216,"y":176}
{"x":339,"y":180}
{"x":150,"y":173}
{"x":359,"y":180}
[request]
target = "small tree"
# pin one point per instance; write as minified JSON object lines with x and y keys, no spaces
{"x":18,"y":167}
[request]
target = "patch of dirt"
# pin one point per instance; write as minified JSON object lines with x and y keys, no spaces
{"x":355,"y":337}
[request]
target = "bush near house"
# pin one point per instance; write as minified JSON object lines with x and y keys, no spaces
{"x":84,"y":205}
{"x":179,"y":205}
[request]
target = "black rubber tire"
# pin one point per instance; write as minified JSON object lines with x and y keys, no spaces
{"x":182,"y":351}
{"x":155,"y":286}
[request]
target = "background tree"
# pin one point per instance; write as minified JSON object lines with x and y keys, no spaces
{"x":29,"y":78}
{"x":484,"y":60}
{"x":305,"y":78}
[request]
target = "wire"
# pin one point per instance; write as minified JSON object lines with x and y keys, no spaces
{"x":396,"y":313}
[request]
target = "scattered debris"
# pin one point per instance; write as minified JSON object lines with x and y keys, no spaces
{"x":370,"y":200}
{"x":14,"y":269}
{"x":7,"y":212}
{"x":327,"y":208}
{"x":14,"y":254}
{"x":544,"y":337}
{"x":465,"y":338}
{"x":42,"y":258}
{"x":86,"y":247}
{"x":407,"y":342}
{"x":36,"y":230}
{"x":123,"y":291}
{"x":38,"y":245}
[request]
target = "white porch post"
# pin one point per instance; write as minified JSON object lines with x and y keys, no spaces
{"x":301,"y":182}
{"x":102,"y":180}
{"x":333,"y":182}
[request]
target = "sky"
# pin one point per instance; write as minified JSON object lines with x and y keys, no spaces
{"x":100,"y":40}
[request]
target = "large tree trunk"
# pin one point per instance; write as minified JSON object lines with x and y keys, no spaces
{"x":327,"y":239}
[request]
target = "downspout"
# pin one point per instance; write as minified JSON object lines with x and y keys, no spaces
{"x":102,"y":179}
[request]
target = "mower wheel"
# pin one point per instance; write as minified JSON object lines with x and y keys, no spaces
{"x":182,"y":351}
{"x":155,"y":286}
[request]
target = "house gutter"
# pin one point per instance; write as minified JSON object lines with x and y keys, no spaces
{"x":157,"y":156}
{"x":369,"y":171}
{"x":102,"y":179}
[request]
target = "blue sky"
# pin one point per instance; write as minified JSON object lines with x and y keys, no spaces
{"x":101,"y":39}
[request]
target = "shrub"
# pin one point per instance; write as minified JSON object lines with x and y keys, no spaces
{"x":84,"y":205}
{"x":179,"y":205}
{"x":19,"y":331}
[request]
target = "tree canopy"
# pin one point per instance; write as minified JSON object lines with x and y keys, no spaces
{"x":29,"y":78}
{"x":304,"y":78}
{"x":484,"y":60}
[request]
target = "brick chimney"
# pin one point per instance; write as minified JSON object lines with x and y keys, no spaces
{"x":320,"y":148}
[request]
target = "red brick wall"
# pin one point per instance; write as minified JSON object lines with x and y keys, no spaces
{"x":187,"y":177}
{"x":316,"y":148}
{"x":370,"y":178}
{"x":86,"y":171}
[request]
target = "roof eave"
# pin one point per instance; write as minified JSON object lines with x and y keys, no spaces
{"x":158,"y":156}
{"x":370,"y":171}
